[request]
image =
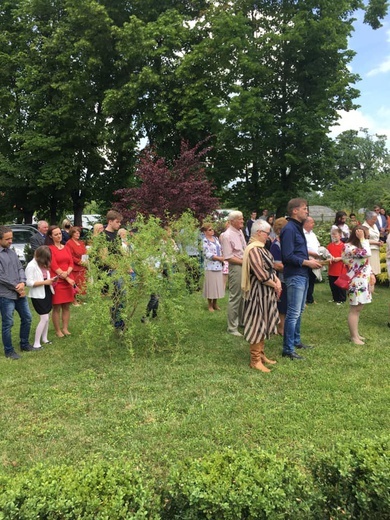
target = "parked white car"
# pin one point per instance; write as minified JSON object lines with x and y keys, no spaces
{"x":21,"y":237}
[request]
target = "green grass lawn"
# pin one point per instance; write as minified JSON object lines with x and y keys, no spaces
{"x":71,"y":402}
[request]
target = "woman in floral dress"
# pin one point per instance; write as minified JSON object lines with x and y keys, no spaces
{"x":356,"y":257}
{"x":213,"y":287}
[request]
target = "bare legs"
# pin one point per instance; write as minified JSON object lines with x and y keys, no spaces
{"x":213,"y":306}
{"x":353,"y":323}
{"x":65,"y":319}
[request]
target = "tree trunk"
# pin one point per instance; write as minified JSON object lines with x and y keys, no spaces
{"x":28,"y":215}
{"x":78,"y":208}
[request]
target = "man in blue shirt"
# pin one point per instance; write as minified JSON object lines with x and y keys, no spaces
{"x":12,"y":295}
{"x":296,"y":263}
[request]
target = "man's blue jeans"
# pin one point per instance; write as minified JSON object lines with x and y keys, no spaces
{"x":7,"y":308}
{"x":296,"y":299}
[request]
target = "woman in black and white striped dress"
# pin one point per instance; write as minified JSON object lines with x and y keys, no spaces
{"x":261,"y":290}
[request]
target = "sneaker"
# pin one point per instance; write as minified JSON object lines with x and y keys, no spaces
{"x":236,"y":333}
{"x":12,"y":355}
{"x":27,"y":348}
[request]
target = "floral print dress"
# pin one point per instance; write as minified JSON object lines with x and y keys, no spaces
{"x":359,"y":271}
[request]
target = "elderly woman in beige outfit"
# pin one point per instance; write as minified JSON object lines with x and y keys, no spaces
{"x":374,"y":240}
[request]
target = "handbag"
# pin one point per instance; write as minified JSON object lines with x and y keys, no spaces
{"x":343,"y":281}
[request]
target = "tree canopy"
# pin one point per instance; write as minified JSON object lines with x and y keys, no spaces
{"x":82,"y":84}
{"x":360,"y":174}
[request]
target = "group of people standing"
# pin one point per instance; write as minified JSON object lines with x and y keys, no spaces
{"x":269,"y":286}
{"x":54,"y":276}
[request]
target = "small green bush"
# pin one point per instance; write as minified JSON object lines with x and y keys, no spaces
{"x":161,"y":266}
{"x":90,"y":492}
{"x":346,"y":483}
{"x":237,"y":485}
{"x":356,"y":481}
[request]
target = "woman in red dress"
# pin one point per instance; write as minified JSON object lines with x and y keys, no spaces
{"x":61,"y":266}
{"x":77,"y":249}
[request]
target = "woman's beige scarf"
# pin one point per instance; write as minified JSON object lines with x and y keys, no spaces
{"x":246,"y":268}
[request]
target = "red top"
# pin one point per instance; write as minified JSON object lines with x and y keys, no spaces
{"x":336,"y":268}
{"x":77,"y":251}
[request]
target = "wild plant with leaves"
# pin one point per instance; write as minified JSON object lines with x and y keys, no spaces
{"x":155,"y":263}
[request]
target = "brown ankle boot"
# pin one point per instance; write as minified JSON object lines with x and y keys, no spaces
{"x":256,"y":361}
{"x":264,"y":359}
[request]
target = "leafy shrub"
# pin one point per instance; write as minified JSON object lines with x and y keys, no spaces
{"x":356,"y":481}
{"x":232,"y":485}
{"x":91,"y":492}
{"x":161,"y":266}
{"x":322,"y":231}
{"x":350,"y":482}
{"x":383,"y":277}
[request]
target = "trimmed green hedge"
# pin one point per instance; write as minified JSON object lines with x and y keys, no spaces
{"x":350,"y":482}
{"x":355,"y":481}
{"x":235,"y":485}
{"x":93,"y":492}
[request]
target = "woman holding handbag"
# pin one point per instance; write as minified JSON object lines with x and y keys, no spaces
{"x":356,"y":256}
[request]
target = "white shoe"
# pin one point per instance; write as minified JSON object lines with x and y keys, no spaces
{"x":235,"y":333}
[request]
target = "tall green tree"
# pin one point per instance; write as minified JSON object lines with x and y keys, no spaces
{"x":283,"y":77}
{"x":360,"y":173}
{"x":265,"y":80}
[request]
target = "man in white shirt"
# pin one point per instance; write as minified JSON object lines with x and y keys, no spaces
{"x":381,"y":223}
{"x":312,"y":247}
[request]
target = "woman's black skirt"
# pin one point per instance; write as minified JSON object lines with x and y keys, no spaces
{"x":43,"y":306}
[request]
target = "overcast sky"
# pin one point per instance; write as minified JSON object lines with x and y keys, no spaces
{"x":372,"y":63}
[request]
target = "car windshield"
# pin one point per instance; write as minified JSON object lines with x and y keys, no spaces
{"x":21,"y":236}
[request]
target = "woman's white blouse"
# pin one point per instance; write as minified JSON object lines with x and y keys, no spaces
{"x":210,"y":249}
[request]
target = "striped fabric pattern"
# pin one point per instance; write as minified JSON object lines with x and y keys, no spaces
{"x":261,"y":313}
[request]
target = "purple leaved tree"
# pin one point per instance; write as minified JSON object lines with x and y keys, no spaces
{"x":169,"y":191}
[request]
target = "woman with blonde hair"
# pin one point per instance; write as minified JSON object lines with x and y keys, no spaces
{"x":213,"y":287}
{"x":261,"y":289}
{"x":66,"y":225}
